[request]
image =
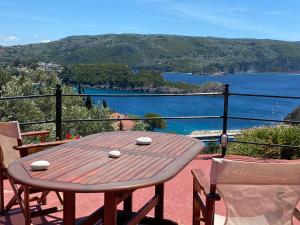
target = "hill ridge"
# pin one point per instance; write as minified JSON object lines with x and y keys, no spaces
{"x":164,"y":52}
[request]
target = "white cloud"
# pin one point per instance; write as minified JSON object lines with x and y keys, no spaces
{"x":234,"y":18}
{"x":8,"y":40}
{"x":44,"y":41}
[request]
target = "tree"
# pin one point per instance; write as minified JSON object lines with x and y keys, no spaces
{"x":34,"y":82}
{"x":80,"y":89}
{"x":88,"y":102}
{"x":104,"y":104}
{"x":16,"y":62}
{"x":155,"y":123}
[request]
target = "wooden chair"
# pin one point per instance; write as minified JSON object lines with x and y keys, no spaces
{"x":253,"y":192}
{"x":11,"y":149}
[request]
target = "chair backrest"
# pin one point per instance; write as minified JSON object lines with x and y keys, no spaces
{"x":257,"y":193}
{"x":9,"y":134}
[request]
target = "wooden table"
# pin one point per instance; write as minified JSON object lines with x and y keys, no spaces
{"x":83,"y":166}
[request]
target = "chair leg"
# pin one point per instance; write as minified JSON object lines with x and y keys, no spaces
{"x":14,"y":199}
{"x":43,"y":199}
{"x":210,"y":210}
{"x":196,"y":208}
{"x":60,"y":197}
{"x":24,"y":205}
{"x":1,"y":191}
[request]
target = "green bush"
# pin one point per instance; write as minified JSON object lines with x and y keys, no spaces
{"x":282,"y":134}
{"x":35,"y":82}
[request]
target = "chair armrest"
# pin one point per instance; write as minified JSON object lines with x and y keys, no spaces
{"x":40,"y":145}
{"x":204,"y":184}
{"x":202,"y":180}
{"x":35,"y":133}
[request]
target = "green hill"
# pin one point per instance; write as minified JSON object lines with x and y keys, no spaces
{"x":166,"y":52}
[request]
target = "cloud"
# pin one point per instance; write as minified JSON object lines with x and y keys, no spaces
{"x":44,"y":41}
{"x":8,"y":40}
{"x":233,"y":18}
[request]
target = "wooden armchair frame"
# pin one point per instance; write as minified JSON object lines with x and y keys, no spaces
{"x":26,"y":191}
{"x":203,"y":211}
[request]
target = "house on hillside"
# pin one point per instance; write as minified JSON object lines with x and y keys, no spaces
{"x":122,"y":124}
{"x":50,"y":67}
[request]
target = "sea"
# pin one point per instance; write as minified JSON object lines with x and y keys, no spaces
{"x":239,"y":106}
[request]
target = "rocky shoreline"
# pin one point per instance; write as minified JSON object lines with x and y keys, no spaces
{"x":214,"y":87}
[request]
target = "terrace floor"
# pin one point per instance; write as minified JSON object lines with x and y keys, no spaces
{"x":178,"y":200}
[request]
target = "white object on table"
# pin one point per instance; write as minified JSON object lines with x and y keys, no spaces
{"x":143,"y":141}
{"x":114,"y":154}
{"x":40,"y":165}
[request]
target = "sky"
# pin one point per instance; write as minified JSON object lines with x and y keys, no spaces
{"x":34,"y":21}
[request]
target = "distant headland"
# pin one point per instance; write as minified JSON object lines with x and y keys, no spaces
{"x":165,"y":53}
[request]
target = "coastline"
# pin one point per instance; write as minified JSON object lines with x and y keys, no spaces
{"x":236,"y":73}
{"x":213,"y":133}
{"x":216,"y":87}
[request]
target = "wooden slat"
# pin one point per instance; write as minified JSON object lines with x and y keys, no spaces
{"x":76,"y":172}
{"x":158,"y":168}
{"x":40,"y":145}
{"x":138,"y":166}
{"x":59,"y":163}
{"x":132,"y":172}
{"x":35,"y":133}
{"x":72,"y":167}
{"x":157,"y":165}
{"x":184,"y":147}
{"x":101,"y":171}
{"x":117,"y":169}
{"x":59,"y":157}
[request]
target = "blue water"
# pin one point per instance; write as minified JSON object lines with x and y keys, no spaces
{"x":269,"y":108}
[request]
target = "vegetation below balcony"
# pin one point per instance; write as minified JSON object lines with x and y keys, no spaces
{"x":37,"y":82}
{"x":282,"y":135}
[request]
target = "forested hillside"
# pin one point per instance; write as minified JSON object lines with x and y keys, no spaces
{"x":163,"y":52}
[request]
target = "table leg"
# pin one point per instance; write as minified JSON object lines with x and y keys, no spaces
{"x":110,"y":208}
{"x":26,"y":206}
{"x":69,"y":208}
{"x":159,"y":208}
{"x":128,"y":204}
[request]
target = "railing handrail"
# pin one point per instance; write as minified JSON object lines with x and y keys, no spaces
{"x":147,"y":94}
{"x":26,"y":97}
{"x":59,"y":95}
{"x":264,"y":96}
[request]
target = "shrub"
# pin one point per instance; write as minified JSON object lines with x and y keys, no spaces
{"x":282,"y":134}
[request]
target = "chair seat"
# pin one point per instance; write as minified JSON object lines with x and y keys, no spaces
{"x":259,"y":220}
{"x":219,"y":220}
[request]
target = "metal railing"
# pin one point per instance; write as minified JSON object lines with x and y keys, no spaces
{"x":225,"y":117}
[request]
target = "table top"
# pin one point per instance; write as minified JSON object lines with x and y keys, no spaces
{"x":83,"y":165}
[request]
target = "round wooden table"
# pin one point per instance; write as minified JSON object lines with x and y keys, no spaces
{"x":83,"y":166}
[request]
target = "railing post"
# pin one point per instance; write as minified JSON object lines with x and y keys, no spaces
{"x":58,"y":112}
{"x":225,"y":119}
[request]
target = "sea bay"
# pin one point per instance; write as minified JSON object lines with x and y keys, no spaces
{"x":267,"y":108}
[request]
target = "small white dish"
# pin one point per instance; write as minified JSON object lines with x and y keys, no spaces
{"x":40,"y":165}
{"x":114,"y":154}
{"x":143,"y":141}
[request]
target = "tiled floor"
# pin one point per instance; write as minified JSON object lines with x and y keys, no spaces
{"x":178,"y":200}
